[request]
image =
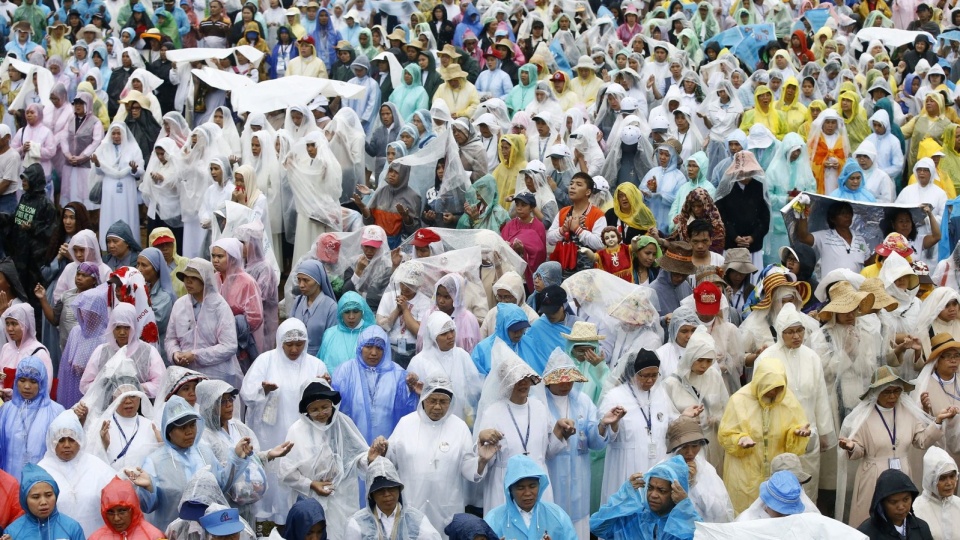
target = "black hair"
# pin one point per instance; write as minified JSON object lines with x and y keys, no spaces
{"x":834,"y":210}
{"x":586,"y":178}
{"x":886,"y":225}
{"x":698,"y":226}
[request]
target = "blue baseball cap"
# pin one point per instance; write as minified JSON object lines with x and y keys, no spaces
{"x":782,"y":493}
{"x":222,"y":522}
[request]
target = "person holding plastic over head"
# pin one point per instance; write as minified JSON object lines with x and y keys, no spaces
{"x":869,"y":435}
{"x":517,"y":418}
{"x":571,"y":468}
{"x":122,"y":517}
{"x":659,"y":508}
{"x":695,"y":384}
{"x":80,"y":475}
{"x":525,"y":515}
{"x":215,"y":404}
{"x":25,"y":418}
{"x":805,"y":378}
{"x":165,"y":473}
{"x":938,"y":505}
{"x":42,"y":519}
{"x":271,"y":391}
{"x":761,"y":421}
{"x":441,"y":357}
{"x":203,"y":338}
{"x":434,"y":451}
{"x":329,"y":454}
{"x":385,"y":510}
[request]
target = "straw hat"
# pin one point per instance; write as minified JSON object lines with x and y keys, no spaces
{"x":23,"y":26}
{"x":675,"y":144}
{"x":775,"y":281}
{"x":583,"y":331}
{"x":415,"y":44}
{"x":884,"y":376}
{"x":454,"y":71}
{"x":450,"y":51}
{"x":710,"y":274}
{"x":504,"y":42}
{"x":344,"y":45}
{"x":738,"y":259}
{"x":564,"y":375}
{"x":682,"y":431}
{"x":881,"y":299}
{"x":678,"y":259}
{"x":941,"y":343}
{"x":397,"y":35}
{"x":844,"y":299}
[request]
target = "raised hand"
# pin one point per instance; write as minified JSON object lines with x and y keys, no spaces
{"x":280,"y":450}
{"x":677,"y":493}
{"x":803,"y":432}
{"x":746,"y":442}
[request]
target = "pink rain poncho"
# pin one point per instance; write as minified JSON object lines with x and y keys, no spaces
{"x":92,"y":317}
{"x":468,"y":329}
{"x":12,"y":353}
{"x":87,"y":240}
{"x":211,"y":334}
{"x":263,"y":273}
{"x":146,"y":360}
{"x":240,"y":290}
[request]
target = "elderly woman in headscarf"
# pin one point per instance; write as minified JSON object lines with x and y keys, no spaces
{"x":395,"y":206}
{"x":123,"y":331}
{"x":931,"y":122}
{"x":204,"y":338}
{"x":121,"y":245}
{"x":241,"y":294}
{"x":36,"y":143}
{"x":25,"y":418}
{"x":315,"y":306}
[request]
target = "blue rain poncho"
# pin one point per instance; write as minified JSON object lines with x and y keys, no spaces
{"x":340,"y":341}
{"x":547,"y":518}
{"x":467,"y":526}
{"x":507,"y":314}
{"x":669,"y":180}
{"x":23,"y":424}
{"x":27,"y":526}
{"x":374,"y":398}
{"x":302,"y":517}
{"x":626,"y":515}
{"x":861,"y":194}
{"x":171,"y":467}
{"x":540,"y":341}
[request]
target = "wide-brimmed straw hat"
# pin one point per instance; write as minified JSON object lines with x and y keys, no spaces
{"x":564,"y":375}
{"x":583,"y":331}
{"x":844,"y":299}
{"x":777,"y":280}
{"x":453,"y":72}
{"x":941,"y":343}
{"x":881,"y":298}
{"x":678,"y":259}
{"x":884,"y":376}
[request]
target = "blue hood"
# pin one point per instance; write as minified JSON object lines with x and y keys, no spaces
{"x":507,"y":315}
{"x":353,"y":301}
{"x":672,"y":469}
{"x":31,"y":476}
{"x":468,"y":527}
{"x":302,"y":516}
{"x":520,"y":467}
{"x":376,"y":333}
{"x":32,"y":367}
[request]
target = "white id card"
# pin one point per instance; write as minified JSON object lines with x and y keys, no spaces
{"x":651,"y":450}
{"x":893,"y":463}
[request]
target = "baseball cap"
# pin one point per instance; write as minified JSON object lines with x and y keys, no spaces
{"x":425,"y":237}
{"x":160,"y":240}
{"x":560,"y":150}
{"x":525,"y":197}
{"x":629,"y":104}
{"x":382,"y":482}
{"x":552,"y":299}
{"x":707,"y":298}
{"x":222,"y":522}
{"x":519,"y":325}
{"x":372,"y":236}
{"x":630,"y":135}
{"x":659,"y":124}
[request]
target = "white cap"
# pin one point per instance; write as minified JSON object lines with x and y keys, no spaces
{"x":600,"y":184}
{"x":4,"y":130}
{"x":629,"y":104}
{"x":659,"y":123}
{"x":630,"y":135}
{"x":560,"y":150}
{"x":536,"y":166}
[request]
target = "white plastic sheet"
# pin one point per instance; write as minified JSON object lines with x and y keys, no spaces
{"x":277,"y":94}
{"x":797,"y":527}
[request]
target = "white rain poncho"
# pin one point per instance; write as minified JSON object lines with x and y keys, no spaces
{"x":456,"y":272}
{"x":805,"y":378}
{"x":806,"y":525}
{"x":333,"y":452}
{"x":266,"y":165}
{"x":231,"y":136}
{"x":903,"y":319}
{"x":347,"y":140}
{"x":270,"y":415}
{"x":198,"y":153}
{"x":315,"y":182}
{"x":81,"y":479}
{"x":450,"y":195}
{"x":148,"y":84}
{"x":633,"y":447}
{"x":929,"y":322}
{"x":437,"y":458}
{"x":211,"y":334}
{"x":757,"y":330}
{"x":454,"y":365}
{"x":162,"y":194}
{"x":105,"y":360}
{"x":118,"y":180}
{"x":940,"y":513}
{"x":249,"y":487}
{"x":546,"y":201}
{"x":685,"y":389}
{"x":726,"y":336}
{"x":527,"y":428}
{"x":671,"y":352}
{"x":865,"y":428}
{"x":496,"y":107}
{"x":132,"y":438}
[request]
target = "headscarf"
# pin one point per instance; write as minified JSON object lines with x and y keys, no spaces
{"x":711,"y":214}
{"x":844,"y":192}
{"x":155,"y":257}
{"x":641,"y":216}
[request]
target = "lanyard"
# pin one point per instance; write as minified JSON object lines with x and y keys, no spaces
{"x":893,"y":435}
{"x":523,"y":441}
{"x":647,"y":417}
{"x":127,"y":442}
{"x":955,"y":397}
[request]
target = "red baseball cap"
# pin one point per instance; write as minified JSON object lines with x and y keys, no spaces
{"x":163,"y":239}
{"x":425,"y":237}
{"x":707,"y":298}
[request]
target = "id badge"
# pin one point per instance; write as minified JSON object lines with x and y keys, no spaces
{"x":893,"y":463}
{"x":120,"y":187}
{"x":651,"y":450}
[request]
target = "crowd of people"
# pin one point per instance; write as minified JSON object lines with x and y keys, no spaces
{"x":408,"y":269}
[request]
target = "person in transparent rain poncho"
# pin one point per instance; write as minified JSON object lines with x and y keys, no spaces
{"x":121,"y":332}
{"x":385,"y":509}
{"x":571,"y":469}
{"x":867,"y":438}
{"x":118,"y":165}
{"x":683,"y":323}
{"x":515,"y":416}
{"x":346,"y":138}
{"x":508,"y":289}
{"x":698,"y":384}
{"x":214,"y":196}
{"x":441,"y":357}
{"x":900,"y":325}
{"x":315,"y":179}
{"x":161,"y":187}
{"x":83,"y":247}
{"x":92,"y":318}
{"x":937,"y":385}
{"x":79,"y":475}
{"x":263,"y":158}
{"x":165,"y":473}
{"x":201,"y":495}
{"x":215,"y":404}
{"x":402,"y":308}
{"x":203,"y":339}
{"x":805,"y":378}
{"x":271,"y":391}
{"x":241,"y":294}
{"x":434,"y":450}
{"x":938,"y":315}
{"x":260,"y":265}
{"x":177,"y":381}
{"x":329,"y":455}
{"x":198,"y":152}
{"x":449,"y":298}
{"x":939,"y":505}
{"x":123,"y":435}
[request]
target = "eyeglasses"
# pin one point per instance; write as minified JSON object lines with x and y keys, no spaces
{"x":793,"y":331}
{"x":951,"y":355}
{"x":228,"y":399}
{"x":505,"y":298}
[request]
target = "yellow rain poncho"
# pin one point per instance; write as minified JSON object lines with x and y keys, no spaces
{"x":796,"y":112}
{"x":99,"y":107}
{"x":773,"y":119}
{"x":816,"y":105}
{"x":510,"y":166}
{"x":640,"y":216}
{"x":950,"y":162}
{"x":931,"y":126}
{"x":929,"y":147}
{"x":858,"y":128}
{"x":770,"y":423}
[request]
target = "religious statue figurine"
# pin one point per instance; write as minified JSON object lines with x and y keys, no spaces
{"x":614,"y":257}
